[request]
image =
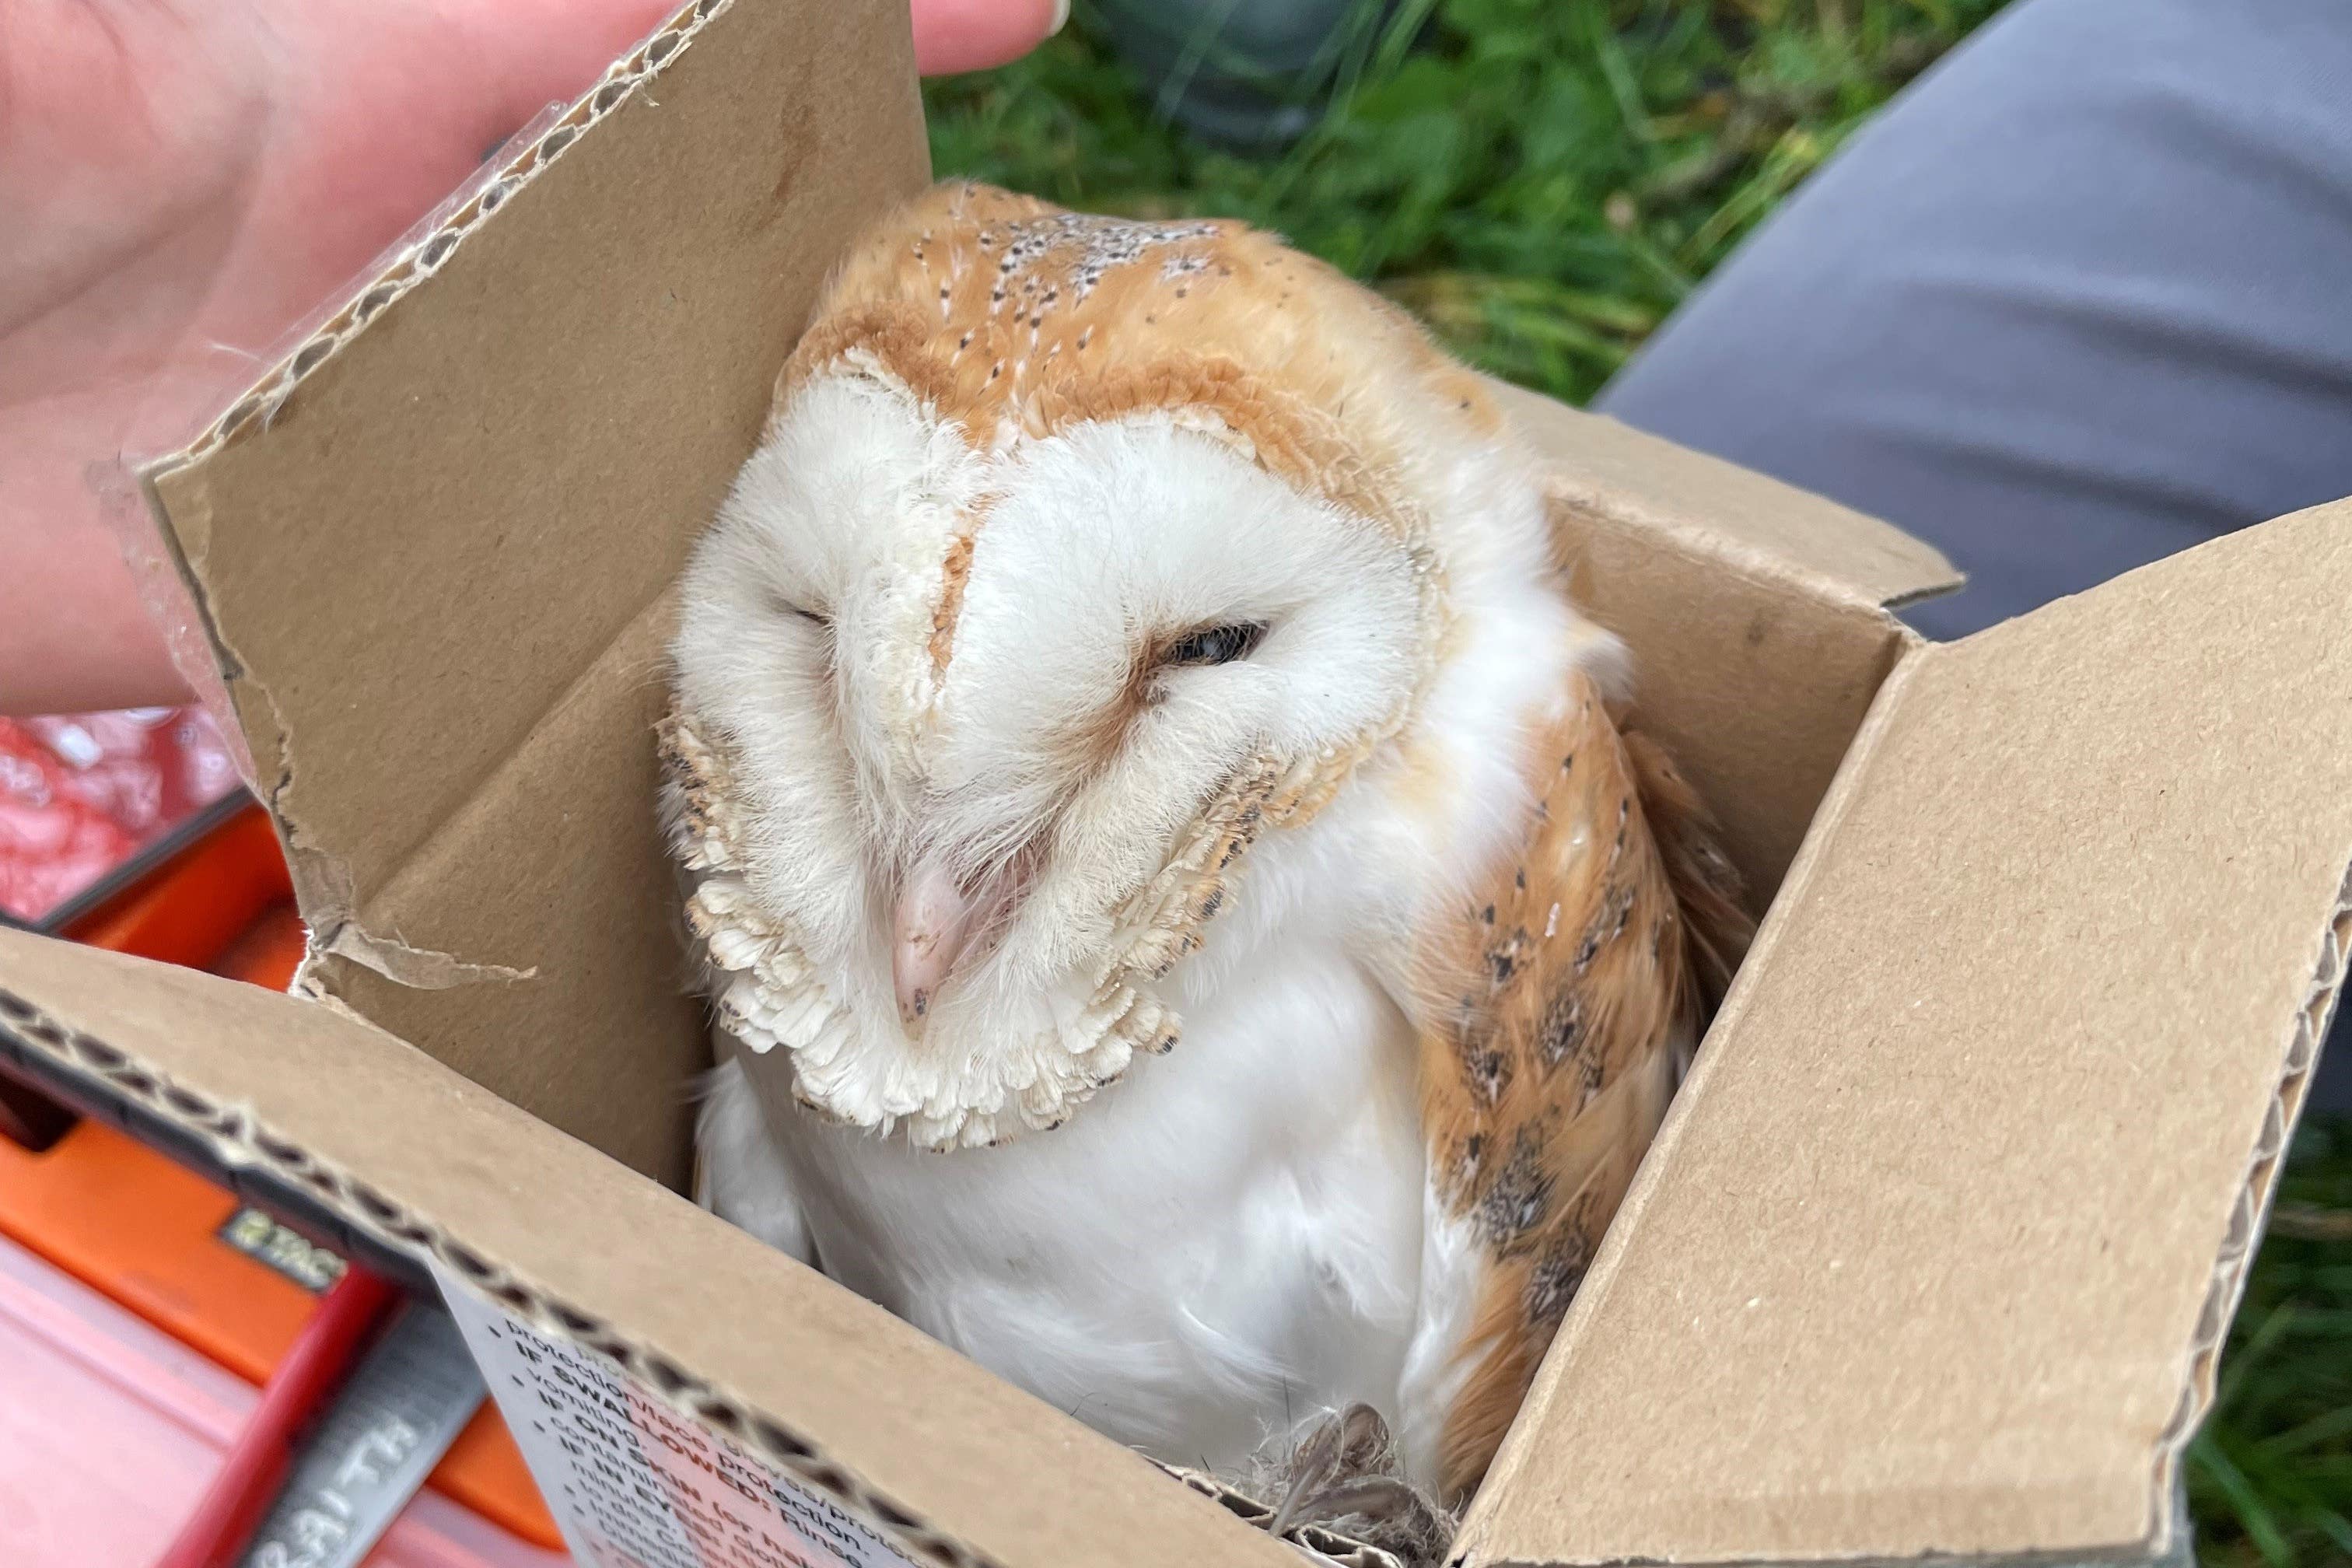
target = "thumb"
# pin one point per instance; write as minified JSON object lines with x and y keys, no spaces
{"x":974,"y":35}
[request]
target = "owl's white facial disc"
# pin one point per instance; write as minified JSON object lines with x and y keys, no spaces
{"x":985,"y":713}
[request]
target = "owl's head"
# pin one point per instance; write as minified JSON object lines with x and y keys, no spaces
{"x":1008,"y":646}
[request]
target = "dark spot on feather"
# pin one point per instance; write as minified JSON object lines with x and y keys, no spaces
{"x":1490,"y":1074}
{"x":1608,"y":924}
{"x":1520,"y":878}
{"x":1557,"y":1275}
{"x":1516,"y":1200}
{"x":1567,"y":761}
{"x":1213,"y":903}
{"x":1503,"y":964}
{"x":1487,"y":914}
{"x":1563,"y":1028}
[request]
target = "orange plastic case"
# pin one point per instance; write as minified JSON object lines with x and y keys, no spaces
{"x":164,"y":1243}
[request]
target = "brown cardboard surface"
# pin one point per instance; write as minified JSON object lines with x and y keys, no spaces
{"x":1754,"y":682}
{"x":1936,"y":1251}
{"x":1753,"y":613}
{"x":722,"y":1320}
{"x":602,"y":1038}
{"x":479,"y":480}
{"x":1755,"y":525}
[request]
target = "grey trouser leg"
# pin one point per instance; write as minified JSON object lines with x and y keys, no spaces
{"x":2082,"y":297}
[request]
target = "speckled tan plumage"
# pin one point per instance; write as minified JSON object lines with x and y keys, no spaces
{"x":1558,"y":1001}
{"x":1005,"y":310}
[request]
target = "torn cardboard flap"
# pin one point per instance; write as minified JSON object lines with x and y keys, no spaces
{"x":954,"y":1466}
{"x":430,"y":550}
{"x":1935,"y":1253}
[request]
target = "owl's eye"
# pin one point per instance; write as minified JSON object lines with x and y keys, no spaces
{"x":1215,"y":645}
{"x":784,"y":606}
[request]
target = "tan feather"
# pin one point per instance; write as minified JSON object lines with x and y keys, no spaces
{"x":1548,"y":1062}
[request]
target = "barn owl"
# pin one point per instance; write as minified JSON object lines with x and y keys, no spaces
{"x":1186,"y":924}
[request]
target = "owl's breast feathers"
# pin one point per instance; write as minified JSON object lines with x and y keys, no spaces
{"x":1556,"y":1004}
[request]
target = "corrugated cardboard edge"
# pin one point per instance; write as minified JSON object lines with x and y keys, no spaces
{"x":2169,"y":1541}
{"x":417,"y":260}
{"x":327,"y":898}
{"x":2251,"y":1212}
{"x":237,"y":1141}
{"x":1323,"y":1545}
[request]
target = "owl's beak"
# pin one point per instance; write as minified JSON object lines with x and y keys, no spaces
{"x":931,"y":927}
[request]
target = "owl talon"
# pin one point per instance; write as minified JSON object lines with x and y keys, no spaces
{"x":1341,"y":1481}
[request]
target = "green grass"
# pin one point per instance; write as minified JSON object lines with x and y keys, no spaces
{"x":2269,"y":1479}
{"x":1543,"y":181}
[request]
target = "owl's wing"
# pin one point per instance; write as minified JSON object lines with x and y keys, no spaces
{"x":1557,"y":1010}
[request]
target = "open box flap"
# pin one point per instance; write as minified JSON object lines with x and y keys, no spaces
{"x":1935,"y":1254}
{"x":842,"y":1397}
{"x":1758,"y":524}
{"x":1756,"y":615}
{"x":438,"y":532}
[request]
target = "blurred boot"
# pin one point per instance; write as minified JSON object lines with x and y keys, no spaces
{"x":1249,"y":75}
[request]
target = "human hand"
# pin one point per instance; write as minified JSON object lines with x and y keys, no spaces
{"x":182,"y":185}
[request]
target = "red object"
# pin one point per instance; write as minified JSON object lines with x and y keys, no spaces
{"x":305,"y":1382}
{"x":79,"y":793}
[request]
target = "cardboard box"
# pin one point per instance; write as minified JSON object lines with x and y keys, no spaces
{"x":1932,"y":1261}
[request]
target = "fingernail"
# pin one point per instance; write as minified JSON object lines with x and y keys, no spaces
{"x":1061,"y":18}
